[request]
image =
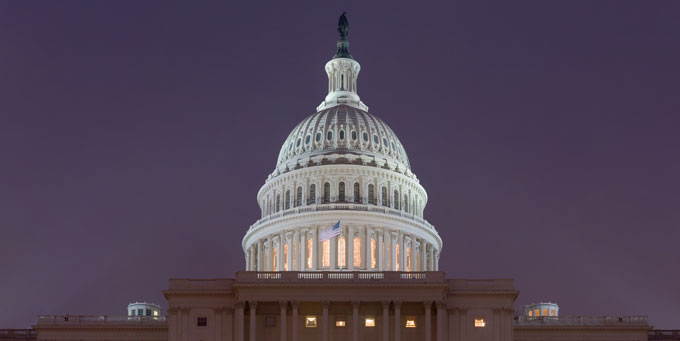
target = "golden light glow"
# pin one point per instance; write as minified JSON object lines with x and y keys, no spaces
{"x":339,"y":323}
{"x":373,"y":254}
{"x":309,"y":253}
{"x":275,"y":264}
{"x":537,"y":312}
{"x":410,"y":323}
{"x":370,"y":322}
{"x":357,"y":251}
{"x":480,"y":323}
{"x":396,"y":251}
{"x":310,"y":321}
{"x":326,"y":253}
{"x":341,"y":252}
{"x":285,"y":257}
{"x":408,"y":259}
{"x":545,"y":312}
{"x":552,"y":312}
{"x":531,"y":313}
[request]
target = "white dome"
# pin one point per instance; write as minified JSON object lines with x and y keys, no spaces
{"x":346,"y":131}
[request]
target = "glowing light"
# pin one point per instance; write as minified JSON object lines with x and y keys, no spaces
{"x":480,"y":323}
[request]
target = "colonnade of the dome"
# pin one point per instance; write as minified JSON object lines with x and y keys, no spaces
{"x":358,"y":247}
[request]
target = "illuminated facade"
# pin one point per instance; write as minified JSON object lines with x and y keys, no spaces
{"x":376,"y":279}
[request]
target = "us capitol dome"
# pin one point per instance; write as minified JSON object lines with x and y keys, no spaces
{"x":342,"y":195}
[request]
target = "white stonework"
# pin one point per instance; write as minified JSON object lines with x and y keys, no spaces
{"x":342,"y":164}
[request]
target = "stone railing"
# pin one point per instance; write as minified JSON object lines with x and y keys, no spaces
{"x":46,"y":320}
{"x":343,"y":207}
{"x":581,"y":321}
{"x":18,"y":334}
{"x":664,"y":334}
{"x":340,"y":276}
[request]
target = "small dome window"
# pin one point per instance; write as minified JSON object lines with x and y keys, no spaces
{"x":365,"y":136}
{"x":318,"y":136}
{"x":384,"y":142}
{"x":329,"y":136}
{"x":375,"y":139}
{"x":354,"y":135}
{"x":342,"y":134}
{"x":393,"y":146}
{"x":297,"y":144}
{"x":290,"y":146}
{"x":308,"y":138}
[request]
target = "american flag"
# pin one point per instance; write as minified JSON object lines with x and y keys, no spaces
{"x":330,"y":232}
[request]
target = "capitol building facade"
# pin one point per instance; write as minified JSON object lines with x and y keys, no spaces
{"x":342,"y":251}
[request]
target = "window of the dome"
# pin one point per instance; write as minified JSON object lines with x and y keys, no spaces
{"x":307,"y":139}
{"x":384,"y":142}
{"x":342,"y":134}
{"x":297,"y":144}
{"x":318,"y":137}
{"x":365,"y":136}
{"x":329,"y":136}
{"x":375,"y":139}
{"x":354,"y":135}
{"x":290,"y":146}
{"x":393,"y":146}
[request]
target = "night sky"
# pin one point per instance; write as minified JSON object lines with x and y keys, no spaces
{"x":134,"y":137}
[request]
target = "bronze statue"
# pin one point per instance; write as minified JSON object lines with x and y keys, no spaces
{"x":343,"y":44}
{"x":343,"y":26}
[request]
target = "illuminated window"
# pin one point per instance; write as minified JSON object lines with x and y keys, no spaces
{"x":275,"y":264}
{"x":201,"y":321}
{"x":480,"y":323}
{"x":396,"y":251}
{"x":373,"y":254}
{"x":309,"y":253}
{"x":410,"y":322}
{"x":370,"y":322}
{"x":310,"y":321}
{"x":155,"y":313}
{"x":341,"y":252}
{"x":357,"y":251}
{"x":326,"y":253}
{"x":552,"y":312}
{"x":545,"y":312}
{"x":388,"y":259}
{"x":408,"y":259}
{"x":537,"y":312}
{"x":285,"y":257}
{"x":340,"y":323}
{"x":531,"y":313}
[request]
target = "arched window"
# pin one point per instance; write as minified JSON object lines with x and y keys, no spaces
{"x":287,"y":202}
{"x":326,"y":193}
{"x":342,"y":134}
{"x":341,"y":252}
{"x":365,"y":136}
{"x":396,"y":199}
{"x":312,"y":194}
{"x":405,"y":203}
{"x":384,"y":196}
{"x":298,"y":197}
{"x":357,"y":251}
{"x":329,"y":135}
{"x":278,"y":202}
{"x":357,"y":193}
{"x":341,"y":192}
{"x":371,"y":194}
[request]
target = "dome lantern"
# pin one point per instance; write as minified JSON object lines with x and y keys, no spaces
{"x":342,"y":72}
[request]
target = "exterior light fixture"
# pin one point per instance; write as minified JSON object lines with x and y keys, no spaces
{"x":480,"y":323}
{"x":310,"y":321}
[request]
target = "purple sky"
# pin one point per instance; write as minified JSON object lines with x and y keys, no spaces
{"x":134,"y":137}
